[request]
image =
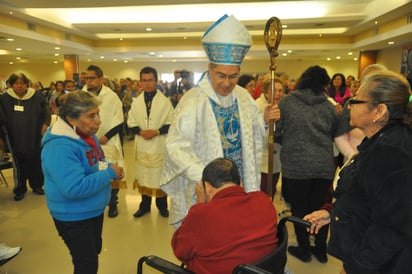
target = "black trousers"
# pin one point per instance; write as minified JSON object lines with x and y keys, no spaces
{"x":306,"y":196}
{"x":29,"y":168}
{"x":161,"y":202}
{"x":84,"y":240}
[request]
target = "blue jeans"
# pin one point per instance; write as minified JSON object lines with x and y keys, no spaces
{"x":84,"y":240}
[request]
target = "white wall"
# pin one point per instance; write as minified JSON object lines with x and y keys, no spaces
{"x":52,"y":72}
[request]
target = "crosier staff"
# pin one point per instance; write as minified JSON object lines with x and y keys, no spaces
{"x":272,"y":37}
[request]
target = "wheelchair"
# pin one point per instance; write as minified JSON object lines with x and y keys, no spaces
{"x":273,"y":263}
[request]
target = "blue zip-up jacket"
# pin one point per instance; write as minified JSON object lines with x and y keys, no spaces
{"x":75,"y":187}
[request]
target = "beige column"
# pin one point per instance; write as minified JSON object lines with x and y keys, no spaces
{"x":366,"y":58}
{"x":71,"y":67}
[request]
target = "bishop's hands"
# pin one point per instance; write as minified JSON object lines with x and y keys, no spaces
{"x":272,"y":112}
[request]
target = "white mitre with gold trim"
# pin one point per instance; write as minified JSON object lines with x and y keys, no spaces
{"x":227,"y":41}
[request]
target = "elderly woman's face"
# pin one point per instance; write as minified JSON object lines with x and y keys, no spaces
{"x":89,"y":122}
{"x":20,"y":87}
{"x":361,"y":116}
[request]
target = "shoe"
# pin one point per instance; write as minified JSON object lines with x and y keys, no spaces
{"x":19,"y":197}
{"x":319,"y":255}
{"x":300,"y":253}
{"x":164,"y":212}
{"x":113,"y":212}
{"x":141,"y":212}
{"x":39,"y":191}
{"x":7,"y":253}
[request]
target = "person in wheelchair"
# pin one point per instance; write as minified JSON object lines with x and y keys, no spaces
{"x":227,"y":226}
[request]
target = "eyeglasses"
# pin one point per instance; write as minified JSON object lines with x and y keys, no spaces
{"x":356,"y":102}
{"x":231,"y":77}
{"x":91,"y":78}
{"x":147,"y":80}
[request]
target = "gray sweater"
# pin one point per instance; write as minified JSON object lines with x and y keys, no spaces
{"x":307,"y":127}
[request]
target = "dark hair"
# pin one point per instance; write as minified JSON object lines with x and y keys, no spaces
{"x":15,"y":76}
{"x":147,"y":70}
{"x":393,"y":90}
{"x":221,"y":171}
{"x":315,"y":78}
{"x":68,"y":81}
{"x":76,"y":103}
{"x":244,"y":79}
{"x":96,"y":69}
{"x":341,"y":89}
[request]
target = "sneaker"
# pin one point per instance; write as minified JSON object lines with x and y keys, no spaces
{"x":319,"y":255}
{"x":7,"y":253}
{"x":300,"y":253}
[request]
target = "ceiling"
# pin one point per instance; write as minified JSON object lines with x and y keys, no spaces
{"x":115,"y":30}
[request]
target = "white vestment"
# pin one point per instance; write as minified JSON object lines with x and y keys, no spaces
{"x":111,"y":115}
{"x":194,"y":140}
{"x":149,"y":154}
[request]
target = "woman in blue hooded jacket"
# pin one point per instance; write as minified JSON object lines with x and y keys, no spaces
{"x":77,"y":178}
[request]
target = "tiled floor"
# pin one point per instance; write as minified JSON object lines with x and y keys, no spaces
{"x":27,"y":223}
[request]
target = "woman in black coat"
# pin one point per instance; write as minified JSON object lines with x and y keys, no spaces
{"x":371,"y":219}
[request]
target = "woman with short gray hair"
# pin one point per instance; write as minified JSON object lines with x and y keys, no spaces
{"x":77,"y":178}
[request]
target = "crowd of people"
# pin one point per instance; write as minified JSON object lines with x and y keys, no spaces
{"x":205,"y":146}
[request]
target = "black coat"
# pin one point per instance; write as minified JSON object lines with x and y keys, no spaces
{"x":371,"y":222}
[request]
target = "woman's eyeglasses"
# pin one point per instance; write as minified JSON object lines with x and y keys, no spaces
{"x":356,"y":102}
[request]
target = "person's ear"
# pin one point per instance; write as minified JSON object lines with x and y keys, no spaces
{"x":382,"y":113}
{"x":208,"y":188}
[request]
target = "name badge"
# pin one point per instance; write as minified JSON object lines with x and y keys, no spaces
{"x":18,"y":108}
{"x":103,"y":165}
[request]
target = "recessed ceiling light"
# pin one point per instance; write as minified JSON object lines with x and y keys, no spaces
{"x":355,"y":59}
{"x":18,"y":58}
{"x":152,"y":53}
{"x":115,"y":60}
{"x":10,"y":12}
{"x":391,"y":42}
{"x":126,"y":61}
{"x":284,"y":54}
{"x":350,"y":53}
{"x":18,"y":49}
{"x":88,"y":60}
{"x":102,"y":57}
{"x":338,"y":57}
{"x":149,"y":29}
{"x":320,"y":34}
{"x":56,"y":54}
{"x":11,"y":63}
{"x":10,"y":39}
{"x":121,"y":39}
{"x":328,"y":59}
{"x":376,"y":22}
{"x":284,"y":26}
{"x":55,"y":62}
{"x":56,"y":48}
